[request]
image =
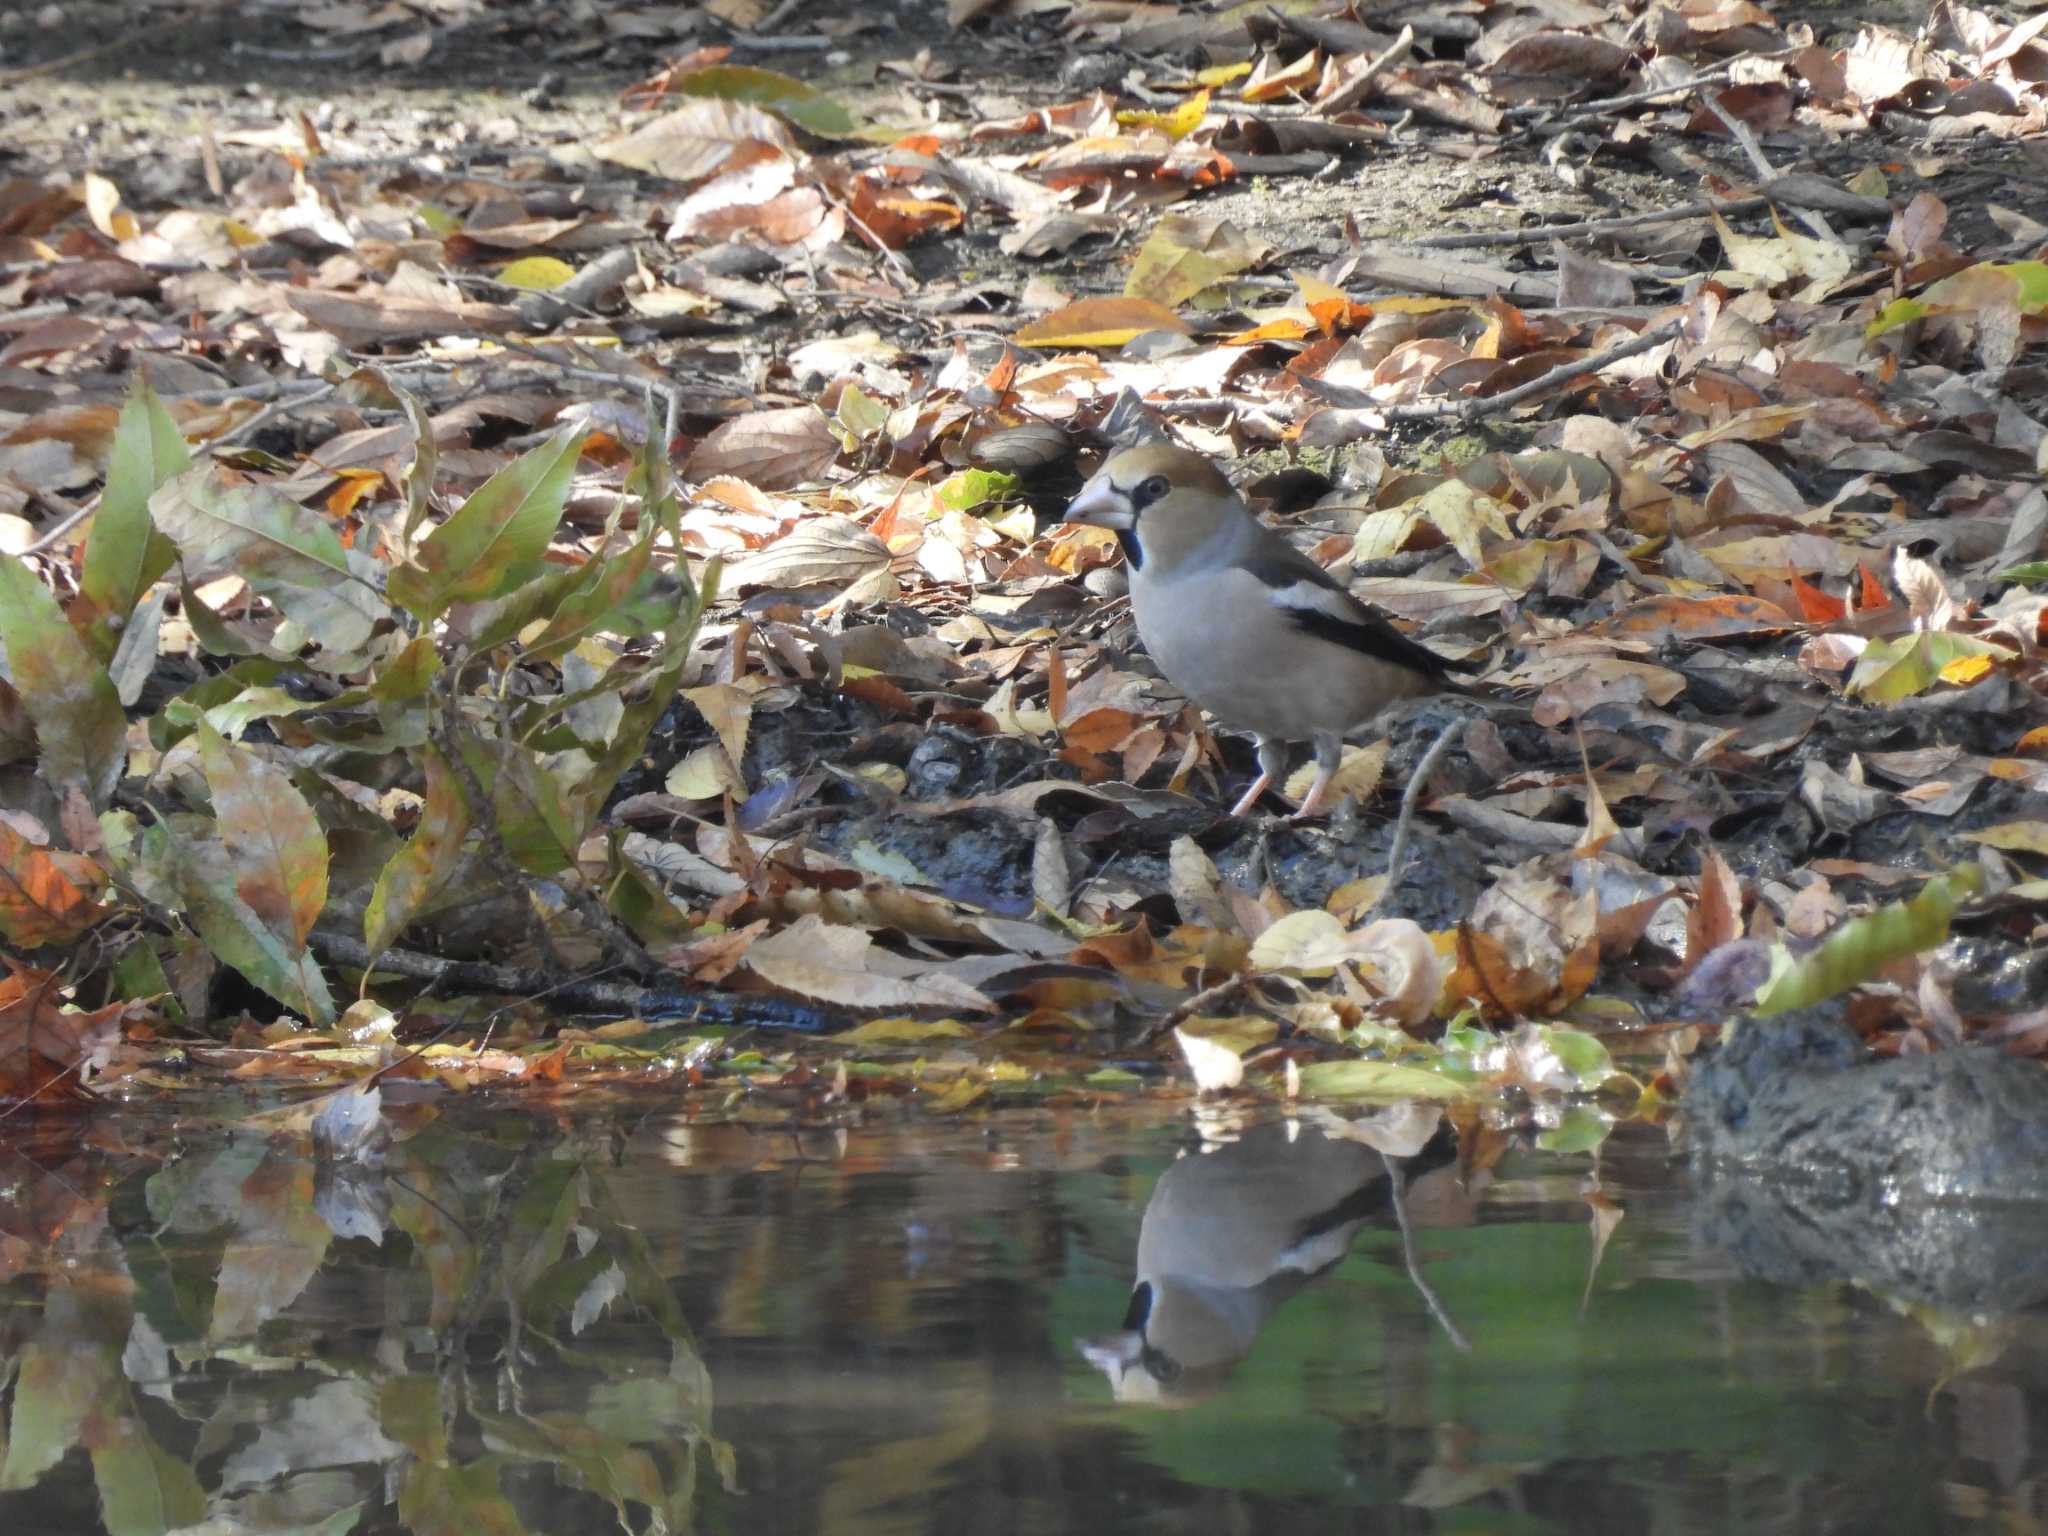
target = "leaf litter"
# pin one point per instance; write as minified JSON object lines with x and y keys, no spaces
{"x":602,"y":558}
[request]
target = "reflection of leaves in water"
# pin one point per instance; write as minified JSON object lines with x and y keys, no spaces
{"x":71,"y":1393}
{"x":534,"y":1287}
{"x":278,"y":1247}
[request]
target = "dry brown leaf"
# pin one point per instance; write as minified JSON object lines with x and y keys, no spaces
{"x":838,"y":964}
{"x":772,"y":449}
{"x":824,"y":551}
{"x":706,"y":136}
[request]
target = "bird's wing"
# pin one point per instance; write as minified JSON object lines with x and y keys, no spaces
{"x":1318,"y":604}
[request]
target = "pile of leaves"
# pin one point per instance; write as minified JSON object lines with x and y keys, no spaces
{"x":684,"y":616}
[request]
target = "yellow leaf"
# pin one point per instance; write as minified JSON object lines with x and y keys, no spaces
{"x":704,"y":775}
{"x":1358,"y":773}
{"x":542,"y":274}
{"x":1309,"y":943}
{"x":1101,"y":322}
{"x":1965,"y":669}
{"x":1177,"y":124}
{"x":2013,"y":836}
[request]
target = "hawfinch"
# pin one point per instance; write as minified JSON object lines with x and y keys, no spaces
{"x":1230,"y":1235}
{"x":1242,"y":622}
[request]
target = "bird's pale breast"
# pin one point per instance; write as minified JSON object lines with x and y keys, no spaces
{"x":1218,"y":637}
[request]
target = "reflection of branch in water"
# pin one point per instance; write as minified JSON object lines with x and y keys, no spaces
{"x":1397,"y":1188}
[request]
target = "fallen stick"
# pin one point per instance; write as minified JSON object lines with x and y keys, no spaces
{"x":1816,"y":223}
{"x":1531,"y":234}
{"x":1592,"y":111}
{"x":571,"y":995}
{"x":1410,"y":797}
{"x":1475,"y":409}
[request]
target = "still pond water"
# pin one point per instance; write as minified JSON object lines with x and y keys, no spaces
{"x":1033,"y":1322}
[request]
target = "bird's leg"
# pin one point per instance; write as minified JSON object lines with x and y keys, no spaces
{"x":1329,"y":757}
{"x":1272,"y":762}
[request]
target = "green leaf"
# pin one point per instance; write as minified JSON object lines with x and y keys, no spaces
{"x":2032,"y":571}
{"x":790,"y":99}
{"x":539,"y":824}
{"x":63,"y":686}
{"x":139,"y":974}
{"x":144,"y":1489}
{"x":272,"y":837}
{"x":1579,"y":1054}
{"x":124,"y":553}
{"x":423,"y":866}
{"x":436,"y":1499}
{"x":972,"y":488}
{"x":1381,"y":1081}
{"x":177,"y":863}
{"x":496,"y":538}
{"x":58,"y":1381}
{"x":285,"y":553}
{"x":1863,"y":946}
{"x":1895,"y":314}
{"x":1581,"y":1129}
{"x":1891,"y":670}
{"x":592,"y":604}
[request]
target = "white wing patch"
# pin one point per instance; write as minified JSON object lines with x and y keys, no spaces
{"x":1307,"y":597}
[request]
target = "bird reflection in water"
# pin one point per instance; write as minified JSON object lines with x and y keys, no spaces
{"x":1231,"y":1233}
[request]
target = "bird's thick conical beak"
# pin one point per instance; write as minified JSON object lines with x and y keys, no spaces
{"x":1103,"y":505}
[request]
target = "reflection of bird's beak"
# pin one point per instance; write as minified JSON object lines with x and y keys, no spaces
{"x":1103,"y":505}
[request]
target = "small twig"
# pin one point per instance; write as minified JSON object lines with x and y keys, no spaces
{"x":1207,"y":998}
{"x":784,"y":9}
{"x":803,"y":44}
{"x":661,"y":387}
{"x":1410,"y":798}
{"x":1414,"y":1260}
{"x":72,"y":517}
{"x":270,"y":413}
{"x":1357,"y":90}
{"x":1564,"y":373}
{"x":1534,"y":233}
{"x":1592,"y":111}
{"x":893,"y":261}
{"x":580,"y":292}
{"x":1815,"y":221}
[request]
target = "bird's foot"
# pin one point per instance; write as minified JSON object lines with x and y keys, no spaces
{"x":1316,"y":802}
{"x":1250,"y":797}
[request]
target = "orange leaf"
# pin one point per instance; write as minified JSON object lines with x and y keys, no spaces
{"x":43,"y":1047}
{"x":1696,"y":617}
{"x":1815,"y":604}
{"x":46,"y":896}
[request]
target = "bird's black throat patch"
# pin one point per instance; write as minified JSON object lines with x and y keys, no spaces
{"x":1133,"y":553}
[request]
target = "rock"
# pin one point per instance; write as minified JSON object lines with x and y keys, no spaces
{"x":1794,"y":1098}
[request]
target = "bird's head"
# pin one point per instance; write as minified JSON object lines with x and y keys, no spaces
{"x":1161,"y":501}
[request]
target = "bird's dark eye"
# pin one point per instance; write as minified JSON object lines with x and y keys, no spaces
{"x":1149,"y":490}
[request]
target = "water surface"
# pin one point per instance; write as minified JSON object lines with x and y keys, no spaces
{"x":517,"y":1324}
